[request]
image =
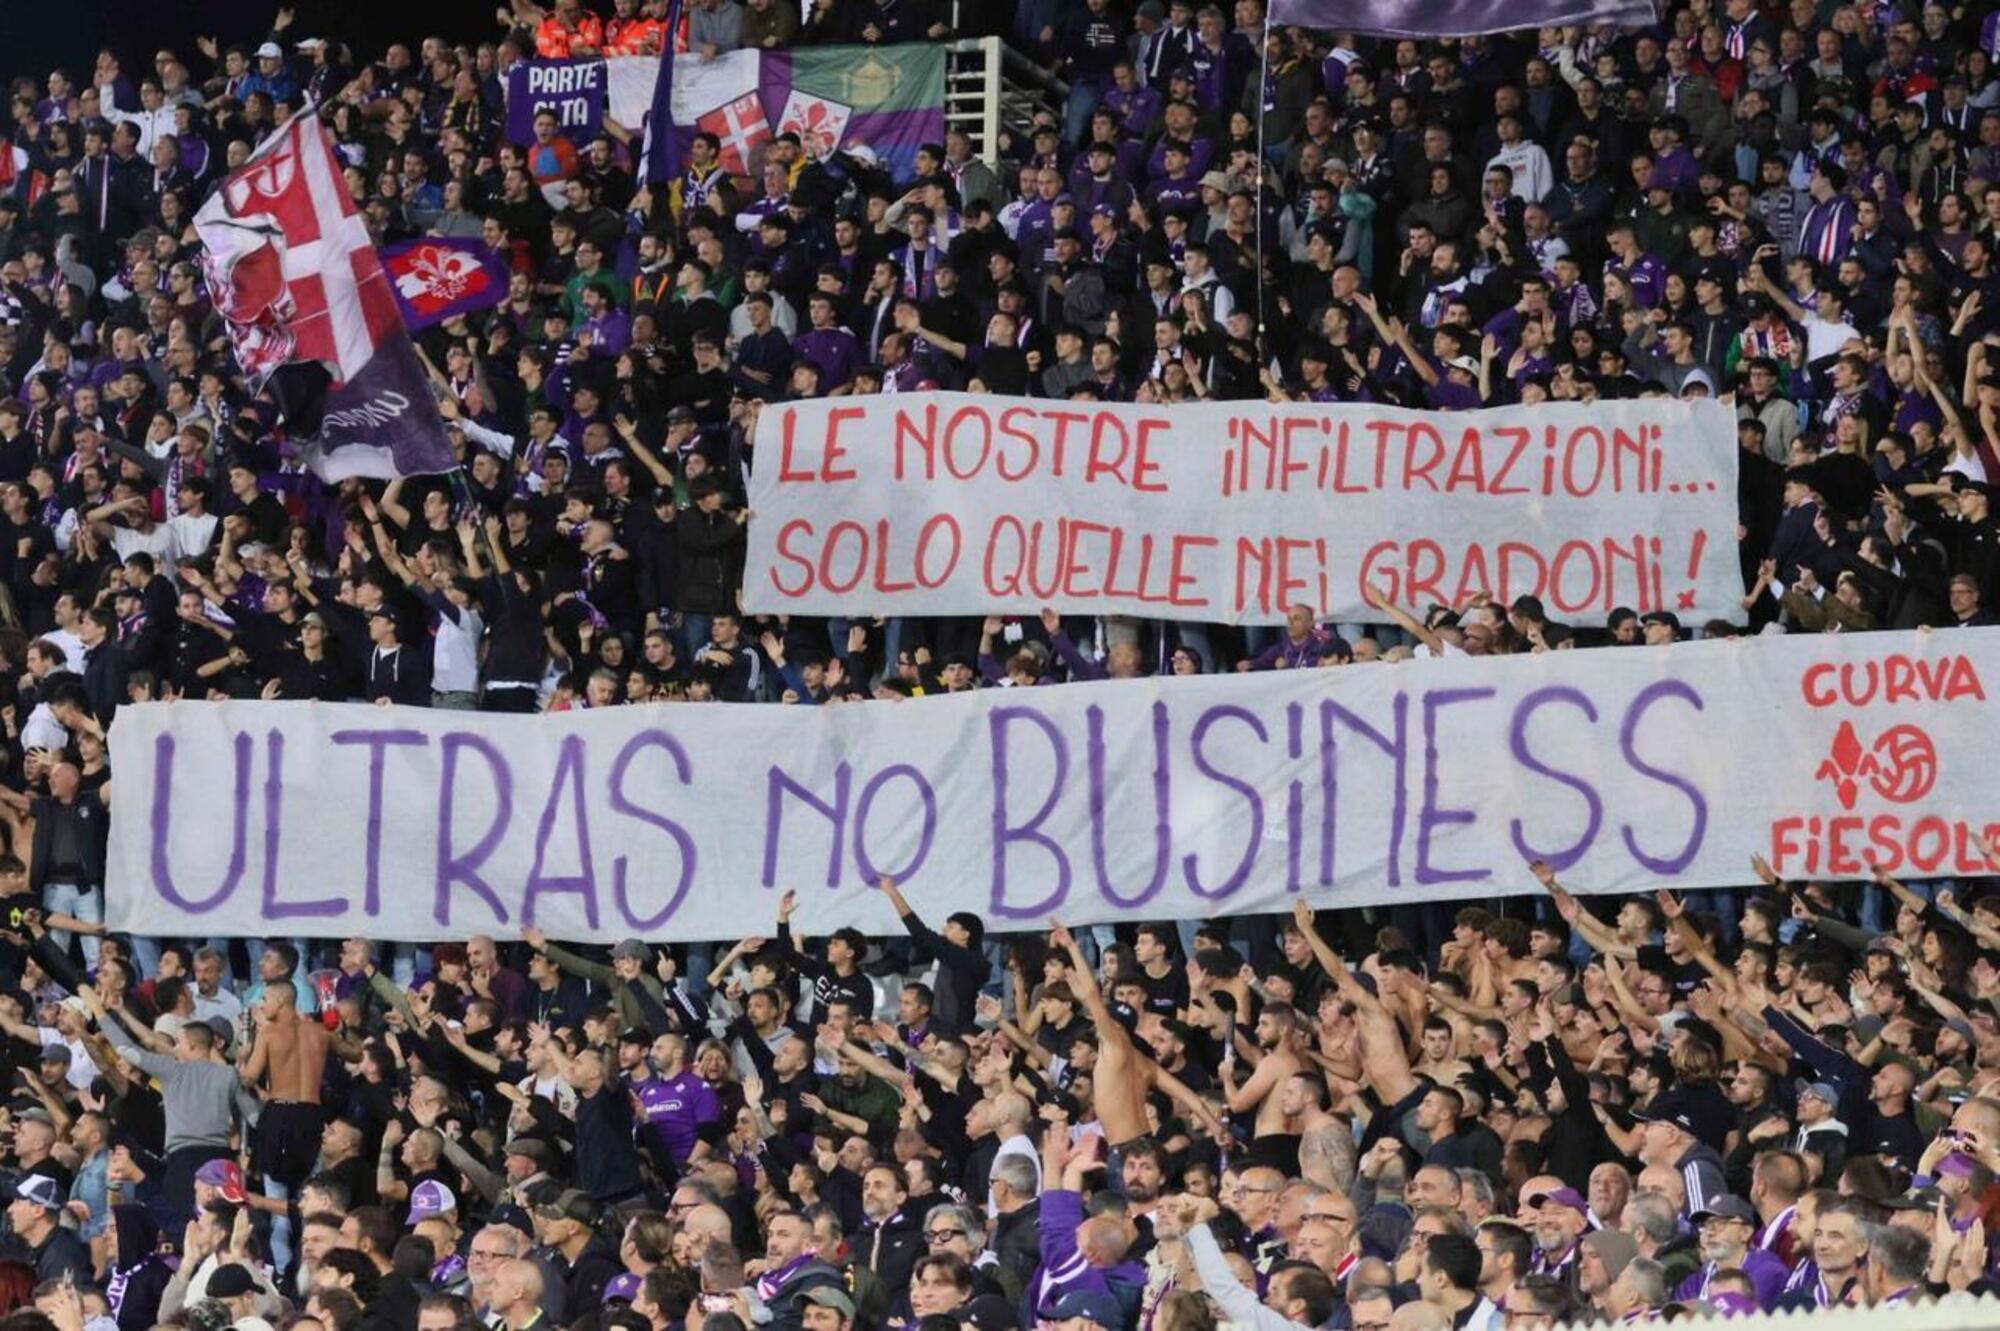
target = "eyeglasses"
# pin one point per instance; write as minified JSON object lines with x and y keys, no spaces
{"x":943,"y":1235}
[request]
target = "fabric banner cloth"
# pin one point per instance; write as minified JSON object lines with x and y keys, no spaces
{"x":888,"y":98}
{"x":437,"y":278}
{"x":290,"y":267}
{"x":1457,"y":18}
{"x":573,"y":89}
{"x":1627,"y":769}
{"x":950,"y":503}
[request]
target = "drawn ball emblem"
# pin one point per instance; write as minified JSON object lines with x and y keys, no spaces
{"x":1906,"y":765}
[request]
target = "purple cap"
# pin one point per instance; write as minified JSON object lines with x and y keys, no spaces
{"x":430,"y":1198}
{"x":624,"y":1287}
{"x":1957,"y":1164}
{"x":1569,"y":1197}
{"x":1732,"y":1303}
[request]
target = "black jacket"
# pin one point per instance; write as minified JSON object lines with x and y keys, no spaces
{"x":891,"y":1249}
{"x":710,"y":546}
{"x":105,"y":672}
{"x":93,"y":829}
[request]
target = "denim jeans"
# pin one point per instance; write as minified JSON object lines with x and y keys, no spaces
{"x":85,"y":903}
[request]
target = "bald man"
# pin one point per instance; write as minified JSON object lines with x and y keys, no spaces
{"x":517,"y":1296}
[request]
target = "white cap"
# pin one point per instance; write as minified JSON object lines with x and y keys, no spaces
{"x":1466,"y":363}
{"x":863,"y":152}
{"x":270,"y":51}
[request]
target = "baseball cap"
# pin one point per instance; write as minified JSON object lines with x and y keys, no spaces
{"x":430,"y":1198}
{"x":629,"y":949}
{"x":1673,"y":1107}
{"x":830,"y":1296}
{"x":1125,"y":1015}
{"x":574,"y":1204}
{"x":624,"y":1287}
{"x":1466,"y":363}
{"x":1614,"y":1247}
{"x":270,"y":51}
{"x":1569,"y":1197}
{"x":1957,"y":1164}
{"x":1090,"y":1305}
{"x":1726,"y":1207}
{"x":226,"y":1177}
{"x":55,"y":1053}
{"x":230,"y":1282}
{"x":1824,"y":1091}
{"x":1215,"y":180}
{"x":41,"y":1190}
{"x":1667,"y":617}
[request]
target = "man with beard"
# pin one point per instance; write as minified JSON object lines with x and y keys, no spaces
{"x":1270,"y":1142}
{"x":889,"y":1242}
{"x":1727,"y":1225}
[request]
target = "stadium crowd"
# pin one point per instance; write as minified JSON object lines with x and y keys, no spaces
{"x":1406,"y":1119}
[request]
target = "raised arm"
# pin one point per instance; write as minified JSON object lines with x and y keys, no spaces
{"x":1404,"y":620}
{"x":1601,"y":936}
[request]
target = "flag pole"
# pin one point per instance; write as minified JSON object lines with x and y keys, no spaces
{"x":1263,"y":81}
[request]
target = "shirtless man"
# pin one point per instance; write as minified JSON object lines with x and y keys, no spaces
{"x":1124,"y":1077}
{"x":288,"y":1060}
{"x":1385,"y":1056}
{"x":1272,"y":1140}
{"x":1326,"y":1144}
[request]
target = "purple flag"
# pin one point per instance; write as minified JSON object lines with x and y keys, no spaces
{"x":572,"y":89}
{"x":663,"y":149}
{"x":1457,"y":18}
{"x":436,"y":278}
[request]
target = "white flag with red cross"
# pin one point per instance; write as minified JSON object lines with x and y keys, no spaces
{"x":721,"y":97}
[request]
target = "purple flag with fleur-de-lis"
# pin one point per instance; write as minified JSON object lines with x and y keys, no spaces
{"x":1457,"y":18}
{"x":436,"y":278}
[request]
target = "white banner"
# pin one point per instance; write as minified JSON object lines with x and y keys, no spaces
{"x":948,"y":503}
{"x":1628,"y":769}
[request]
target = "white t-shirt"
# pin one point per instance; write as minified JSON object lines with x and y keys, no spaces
{"x":158,"y":542}
{"x":192,"y":535}
{"x":455,"y":655}
{"x":73,"y":649}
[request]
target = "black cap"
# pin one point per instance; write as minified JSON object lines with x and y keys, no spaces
{"x":1673,"y":1107}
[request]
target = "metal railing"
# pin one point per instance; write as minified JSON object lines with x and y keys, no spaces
{"x":1955,"y":1312}
{"x":990,"y":87}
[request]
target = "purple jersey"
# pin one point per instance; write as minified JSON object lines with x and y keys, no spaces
{"x":676,"y":1108}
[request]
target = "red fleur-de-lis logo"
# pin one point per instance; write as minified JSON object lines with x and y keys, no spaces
{"x":266,"y":181}
{"x":1847,"y":764}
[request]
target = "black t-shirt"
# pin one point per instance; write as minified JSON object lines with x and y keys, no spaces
{"x":1167,"y":994}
